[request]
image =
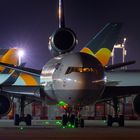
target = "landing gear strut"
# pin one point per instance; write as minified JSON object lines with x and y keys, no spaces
{"x":73,"y":120}
{"x":118,"y":119}
{"x":21,"y":118}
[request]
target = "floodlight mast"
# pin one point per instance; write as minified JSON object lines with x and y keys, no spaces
{"x":20,"y":55}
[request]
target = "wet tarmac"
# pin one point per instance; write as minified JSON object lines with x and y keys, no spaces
{"x":52,"y":130}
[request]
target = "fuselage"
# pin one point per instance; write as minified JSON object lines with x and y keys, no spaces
{"x":74,"y":78}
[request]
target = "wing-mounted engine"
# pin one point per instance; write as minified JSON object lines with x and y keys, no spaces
{"x":5,"y":105}
{"x":62,"y":41}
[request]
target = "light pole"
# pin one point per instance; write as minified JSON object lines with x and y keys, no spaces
{"x":124,"y":52}
{"x":20,"y":55}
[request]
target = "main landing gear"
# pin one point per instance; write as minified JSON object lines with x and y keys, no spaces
{"x":118,"y":119}
{"x":21,"y":118}
{"x":72,"y":118}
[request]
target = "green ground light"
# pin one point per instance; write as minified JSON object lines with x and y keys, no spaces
{"x":69,"y":125}
{"x":21,"y":128}
{"x":58,"y":123}
{"x":118,"y":109}
{"x":46,"y":122}
{"x":63,"y":127}
{"x":62,"y":103}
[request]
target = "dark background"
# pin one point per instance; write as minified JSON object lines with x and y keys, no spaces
{"x":29,"y":23}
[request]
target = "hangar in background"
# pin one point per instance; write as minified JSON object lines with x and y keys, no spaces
{"x":98,"y":111}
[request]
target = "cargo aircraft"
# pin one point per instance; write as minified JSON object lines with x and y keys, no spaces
{"x":71,"y":80}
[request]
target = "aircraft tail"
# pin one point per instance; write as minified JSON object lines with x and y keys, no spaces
{"x":8,"y":56}
{"x":61,"y":14}
{"x":102,"y":44}
{"x":13,"y":76}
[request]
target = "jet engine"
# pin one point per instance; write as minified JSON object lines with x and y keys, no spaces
{"x":5,"y":105}
{"x":62,"y":41}
{"x":136,"y":104}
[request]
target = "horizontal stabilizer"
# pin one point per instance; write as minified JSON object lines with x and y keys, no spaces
{"x":119,"y":65}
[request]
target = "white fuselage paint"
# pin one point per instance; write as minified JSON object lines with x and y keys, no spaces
{"x":76,"y":87}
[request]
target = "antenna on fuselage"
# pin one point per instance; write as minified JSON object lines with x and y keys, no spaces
{"x":61,"y":14}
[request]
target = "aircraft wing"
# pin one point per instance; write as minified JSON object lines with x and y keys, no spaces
{"x":30,"y":92}
{"x":22,"y":69}
{"x":122,"y":83}
{"x":119,"y":91}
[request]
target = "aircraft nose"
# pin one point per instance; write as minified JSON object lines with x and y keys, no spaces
{"x":81,"y":81}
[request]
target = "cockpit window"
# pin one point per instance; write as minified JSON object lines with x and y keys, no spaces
{"x":57,"y":65}
{"x":80,"y":70}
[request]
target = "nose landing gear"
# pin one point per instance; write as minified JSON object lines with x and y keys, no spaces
{"x":72,"y":118}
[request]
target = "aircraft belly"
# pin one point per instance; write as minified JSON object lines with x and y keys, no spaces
{"x":78,"y":88}
{"x":74,"y":97}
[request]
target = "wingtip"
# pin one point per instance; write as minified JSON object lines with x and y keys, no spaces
{"x":115,"y":24}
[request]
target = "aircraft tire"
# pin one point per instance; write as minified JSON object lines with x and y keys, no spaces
{"x":16,"y":119}
{"x":82,"y":123}
{"x":121,"y":121}
{"x":64,"y":120}
{"x":72,"y":119}
{"x":109,"y":121}
{"x":76,"y":123}
{"x":28,"y":120}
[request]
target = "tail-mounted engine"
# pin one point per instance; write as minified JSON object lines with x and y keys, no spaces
{"x":62,"y":41}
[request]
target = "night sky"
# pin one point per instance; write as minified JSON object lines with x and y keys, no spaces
{"x":29,"y":23}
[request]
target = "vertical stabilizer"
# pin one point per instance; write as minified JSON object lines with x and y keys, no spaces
{"x":61,"y":14}
{"x":8,"y":56}
{"x":13,"y":76}
{"x":102,"y":44}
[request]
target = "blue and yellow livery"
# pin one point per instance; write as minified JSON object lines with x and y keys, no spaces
{"x":102,"y":44}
